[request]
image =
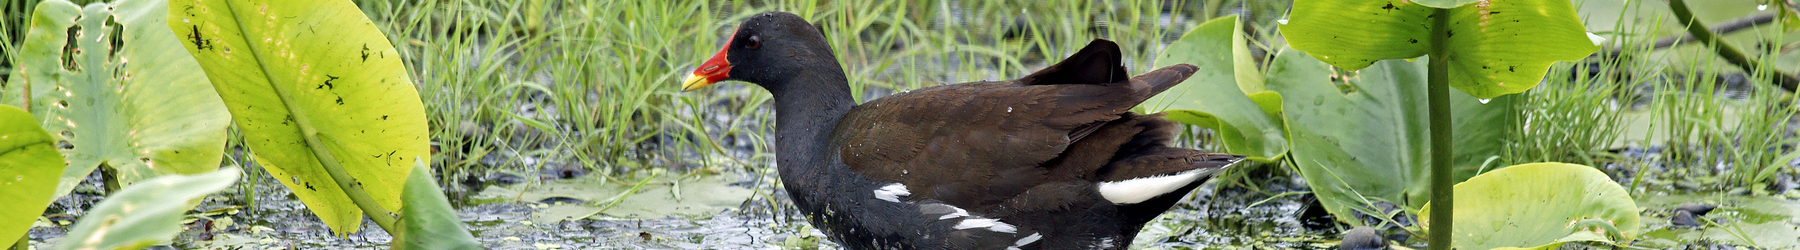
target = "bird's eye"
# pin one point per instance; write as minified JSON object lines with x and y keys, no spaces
{"x":754,"y":42}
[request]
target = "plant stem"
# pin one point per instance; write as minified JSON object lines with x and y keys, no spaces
{"x":1726,"y":28}
{"x":1726,"y":50}
{"x":24,"y":243}
{"x":1438,"y":105}
{"x":351,"y":187}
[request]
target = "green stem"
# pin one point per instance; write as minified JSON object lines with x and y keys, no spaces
{"x":24,"y":242}
{"x":1726,"y":50}
{"x":348,"y":184}
{"x":109,"y":179}
{"x":1438,"y":105}
{"x":351,"y":187}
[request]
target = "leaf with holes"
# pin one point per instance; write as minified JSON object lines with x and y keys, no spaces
{"x":1495,"y":47}
{"x":310,"y":82}
{"x":1505,"y":209}
{"x":146,"y":214}
{"x":1226,"y":94}
{"x":142,"y":108}
{"x":28,"y":180}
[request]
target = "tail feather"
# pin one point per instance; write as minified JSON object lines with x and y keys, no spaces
{"x":1149,"y":84}
{"x":1098,"y":63}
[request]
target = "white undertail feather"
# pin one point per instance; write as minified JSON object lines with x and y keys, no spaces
{"x":1138,"y":190}
{"x":892,"y":192}
{"x":959,"y":213}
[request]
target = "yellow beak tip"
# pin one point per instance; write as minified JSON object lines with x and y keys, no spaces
{"x":694,"y":82}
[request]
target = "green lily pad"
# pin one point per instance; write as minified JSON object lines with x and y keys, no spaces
{"x":1763,"y":222}
{"x":1369,"y":144}
{"x":29,"y":179}
{"x":1227,"y":93}
{"x":428,"y":221}
{"x":660,"y":197}
{"x":1495,"y":47}
{"x":142,"y":108}
{"x":1541,"y":206}
{"x":291,"y":71}
{"x":146,"y":214}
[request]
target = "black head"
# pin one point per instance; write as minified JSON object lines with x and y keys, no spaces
{"x":768,"y":50}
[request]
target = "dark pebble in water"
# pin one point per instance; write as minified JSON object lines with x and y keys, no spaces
{"x":504,"y":179}
{"x":1697,"y":209}
{"x":1683,"y":219}
{"x":1399,"y":237}
{"x":1362,"y":238}
{"x":567,"y":172}
{"x":560,"y":199}
{"x":1313,"y":215}
{"x":1781,"y":186}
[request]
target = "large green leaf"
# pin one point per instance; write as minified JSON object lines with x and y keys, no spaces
{"x":1219,"y":95}
{"x":290,"y":70}
{"x":1495,"y":47}
{"x":1789,"y":18}
{"x":29,"y":166}
{"x":1541,"y":206}
{"x":146,"y":214}
{"x":430,"y":222}
{"x":143,"y":108}
{"x":1369,"y":144}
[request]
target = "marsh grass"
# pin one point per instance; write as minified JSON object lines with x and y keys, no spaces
{"x":1578,"y":112}
{"x":1725,"y":126}
{"x":530,"y":85}
{"x":13,"y":25}
{"x":1705,"y":121}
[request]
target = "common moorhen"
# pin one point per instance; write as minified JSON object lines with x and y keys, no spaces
{"x":1050,"y":161}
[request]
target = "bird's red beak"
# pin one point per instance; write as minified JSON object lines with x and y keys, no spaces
{"x":714,"y":70}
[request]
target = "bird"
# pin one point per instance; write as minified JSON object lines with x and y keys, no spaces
{"x":1051,"y":160}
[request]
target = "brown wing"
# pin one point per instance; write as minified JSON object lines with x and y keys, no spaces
{"x":976,"y":144}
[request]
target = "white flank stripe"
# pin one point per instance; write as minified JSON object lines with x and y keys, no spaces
{"x":892,"y":192}
{"x":990,"y":224}
{"x":1003,"y":227}
{"x":1027,"y":240}
{"x":1104,"y":243}
{"x":959,"y":213}
{"x":1138,"y":190}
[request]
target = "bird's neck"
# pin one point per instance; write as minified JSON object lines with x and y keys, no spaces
{"x":807,"y":110}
